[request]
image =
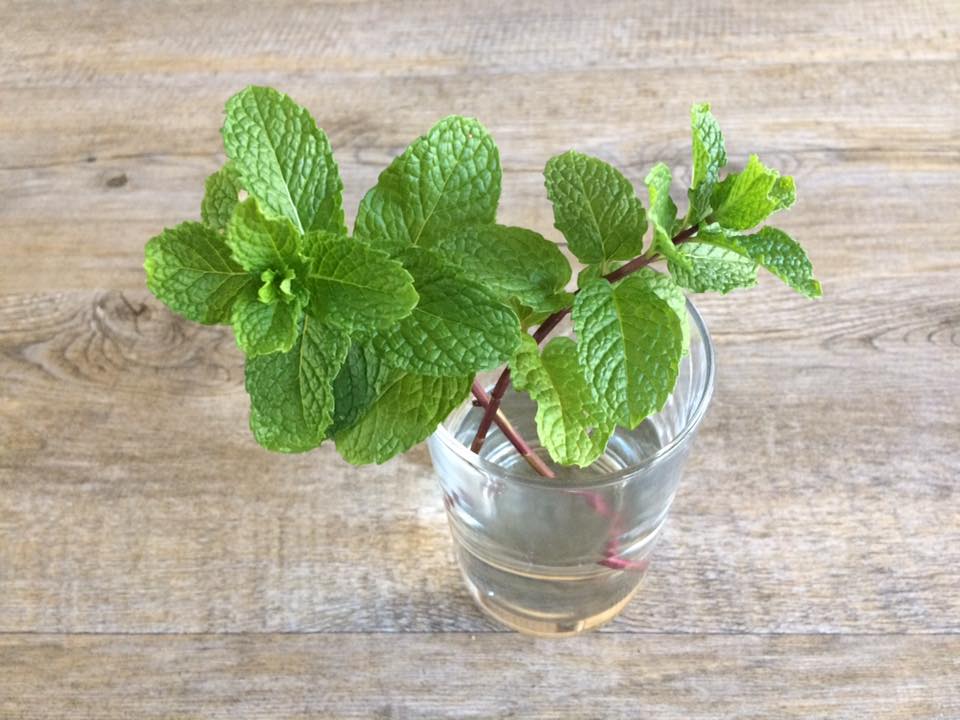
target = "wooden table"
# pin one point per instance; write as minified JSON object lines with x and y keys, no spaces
{"x":155,"y":563}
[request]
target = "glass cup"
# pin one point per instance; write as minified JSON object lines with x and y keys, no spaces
{"x":555,"y":557}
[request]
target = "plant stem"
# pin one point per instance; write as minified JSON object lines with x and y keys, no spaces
{"x":511,"y":433}
{"x":503,"y":382}
{"x":546,"y":327}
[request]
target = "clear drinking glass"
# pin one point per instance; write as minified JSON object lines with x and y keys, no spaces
{"x":558,"y":557}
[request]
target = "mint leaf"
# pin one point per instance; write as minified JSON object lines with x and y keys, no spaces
{"x":774,"y":250}
{"x":595,"y":207}
{"x":259,"y":243}
{"x":664,"y":244}
{"x":189,"y":268}
{"x":408,"y":409}
{"x":552,"y":303}
{"x":667,"y":290}
{"x":783,"y":192}
{"x":589,"y":273}
{"x":291,"y":393}
{"x":359,"y":383}
{"x":629,"y":347}
{"x":458,"y":326}
{"x":747,"y":198}
{"x":569,"y":423}
{"x":221,"y":197}
{"x":284,"y":159}
{"x":709,"y":156}
{"x":663,"y":212}
{"x":263,"y":328}
{"x":527,"y":316}
{"x":710,"y":267}
{"x":277,"y":285}
{"x":446,"y":178}
{"x":530,"y":316}
{"x":356,"y":286}
{"x":515,"y":263}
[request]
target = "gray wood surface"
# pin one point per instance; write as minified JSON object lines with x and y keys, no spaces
{"x":154,"y":562}
{"x":455,"y":675}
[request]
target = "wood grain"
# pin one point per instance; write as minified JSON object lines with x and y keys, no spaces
{"x":479,"y":676}
{"x":154,"y":562}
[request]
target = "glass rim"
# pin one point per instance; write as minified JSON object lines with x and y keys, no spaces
{"x":665,"y":452}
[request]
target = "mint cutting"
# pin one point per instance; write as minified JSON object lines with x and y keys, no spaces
{"x":371,"y":339}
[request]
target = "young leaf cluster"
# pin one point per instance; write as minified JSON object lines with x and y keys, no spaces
{"x":371,"y":338}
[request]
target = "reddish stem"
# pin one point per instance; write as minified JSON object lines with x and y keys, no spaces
{"x":511,"y":433}
{"x":503,"y":382}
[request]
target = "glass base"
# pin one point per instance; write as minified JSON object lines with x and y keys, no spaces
{"x":530,"y":621}
{"x":550,"y":602}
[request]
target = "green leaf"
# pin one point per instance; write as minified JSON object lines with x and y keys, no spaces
{"x":784,"y":192}
{"x":263,"y":328}
{"x":589,"y":273}
{"x":458,"y":326}
{"x":671,"y":293}
{"x":356,"y":286}
{"x":712,"y":268}
{"x":666,"y":247}
{"x":629,"y":347}
{"x":446,"y":178}
{"x":774,"y":250}
{"x":514,"y":263}
{"x":277,"y":285}
{"x":595,"y":207}
{"x":663,"y":212}
{"x":408,"y":409}
{"x":221,"y":197}
{"x":189,"y":268}
{"x":358,"y":385}
{"x":291,"y":393}
{"x":569,"y":423}
{"x":747,"y":198}
{"x":530,"y":316}
{"x":259,"y":243}
{"x":708,"y":157}
{"x":284,"y":159}
{"x":553,"y":303}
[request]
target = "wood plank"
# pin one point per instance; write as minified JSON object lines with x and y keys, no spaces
{"x":829,"y":92}
{"x":821,"y":496}
{"x":484,"y":676}
{"x":436,"y":37}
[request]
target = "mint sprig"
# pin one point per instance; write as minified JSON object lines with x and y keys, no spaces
{"x":372,"y":340}
{"x":707,"y":250}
